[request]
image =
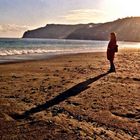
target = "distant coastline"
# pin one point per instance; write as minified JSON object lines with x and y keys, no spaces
{"x":127,"y":29}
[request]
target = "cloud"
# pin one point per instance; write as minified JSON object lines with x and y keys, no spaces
{"x":85,"y":15}
{"x":12,"y":28}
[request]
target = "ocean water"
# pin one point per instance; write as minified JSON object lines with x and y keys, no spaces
{"x":16,"y":49}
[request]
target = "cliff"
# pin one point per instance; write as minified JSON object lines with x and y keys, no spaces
{"x":127,"y":29}
{"x":55,"y":31}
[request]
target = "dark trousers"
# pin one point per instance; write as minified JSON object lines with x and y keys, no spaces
{"x":112,"y":66}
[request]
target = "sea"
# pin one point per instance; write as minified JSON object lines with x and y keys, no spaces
{"x":20,"y":49}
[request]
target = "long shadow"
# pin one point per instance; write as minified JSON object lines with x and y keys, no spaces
{"x":61,"y":97}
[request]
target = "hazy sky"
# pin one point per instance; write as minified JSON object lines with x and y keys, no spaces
{"x":16,"y":16}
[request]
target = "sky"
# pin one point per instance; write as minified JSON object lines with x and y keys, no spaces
{"x":17,"y":16}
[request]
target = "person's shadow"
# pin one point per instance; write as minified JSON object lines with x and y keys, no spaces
{"x":61,"y":97}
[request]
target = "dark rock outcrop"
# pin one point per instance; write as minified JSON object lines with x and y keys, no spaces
{"x":54,"y":31}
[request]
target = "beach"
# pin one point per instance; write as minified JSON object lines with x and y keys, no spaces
{"x":71,"y":97}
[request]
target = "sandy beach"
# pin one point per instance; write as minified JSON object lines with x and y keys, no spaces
{"x":71,"y":97}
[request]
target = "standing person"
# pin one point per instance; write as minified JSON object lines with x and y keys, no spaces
{"x":111,"y":49}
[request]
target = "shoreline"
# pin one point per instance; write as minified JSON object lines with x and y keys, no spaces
{"x":39,"y":57}
{"x":43,"y":56}
{"x":67,"y":39}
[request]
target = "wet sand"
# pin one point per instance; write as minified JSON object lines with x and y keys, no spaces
{"x":71,"y":97}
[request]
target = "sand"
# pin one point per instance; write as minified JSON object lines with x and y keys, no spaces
{"x":71,"y":97}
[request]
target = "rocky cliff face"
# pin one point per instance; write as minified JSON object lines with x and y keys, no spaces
{"x":127,"y":29}
{"x":55,"y":31}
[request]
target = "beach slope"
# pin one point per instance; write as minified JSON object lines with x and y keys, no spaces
{"x":71,"y":97}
